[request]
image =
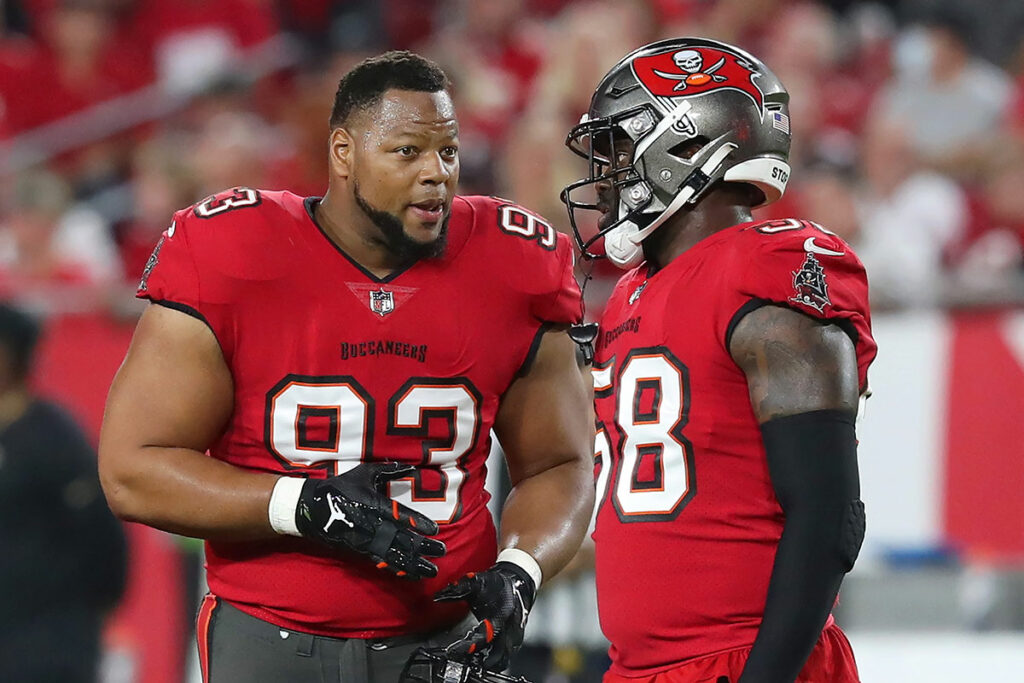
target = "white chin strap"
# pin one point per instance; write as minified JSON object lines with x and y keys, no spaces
{"x":622,"y":244}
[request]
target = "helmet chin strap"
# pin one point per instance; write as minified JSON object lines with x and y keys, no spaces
{"x":622,"y":245}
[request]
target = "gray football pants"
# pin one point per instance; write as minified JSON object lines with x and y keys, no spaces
{"x":235,"y":647}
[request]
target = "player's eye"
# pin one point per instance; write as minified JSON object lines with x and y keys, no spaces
{"x":450,"y":152}
{"x":407,"y":151}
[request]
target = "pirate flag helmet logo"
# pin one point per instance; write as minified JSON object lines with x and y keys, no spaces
{"x":698,"y":70}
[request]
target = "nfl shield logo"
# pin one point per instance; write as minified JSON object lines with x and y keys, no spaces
{"x":382,"y":302}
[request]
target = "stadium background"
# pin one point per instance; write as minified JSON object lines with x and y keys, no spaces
{"x":908,"y":121}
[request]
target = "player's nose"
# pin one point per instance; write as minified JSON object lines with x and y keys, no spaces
{"x":435,"y":170}
{"x":603,"y":189}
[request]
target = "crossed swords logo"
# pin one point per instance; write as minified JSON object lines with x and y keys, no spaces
{"x":692,"y":63}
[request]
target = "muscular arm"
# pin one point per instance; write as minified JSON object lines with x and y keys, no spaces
{"x":546,"y":427}
{"x":794,"y":363}
{"x":169,"y":401}
{"x":802,"y":377}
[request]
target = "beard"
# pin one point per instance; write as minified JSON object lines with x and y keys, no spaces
{"x":394,"y":237}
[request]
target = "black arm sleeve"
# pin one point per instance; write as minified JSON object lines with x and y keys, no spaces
{"x":812,"y":460}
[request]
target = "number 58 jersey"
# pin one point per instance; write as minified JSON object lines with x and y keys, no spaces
{"x":687,"y":521}
{"x":333,"y":366}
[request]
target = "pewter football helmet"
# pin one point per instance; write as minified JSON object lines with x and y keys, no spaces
{"x":667,"y":97}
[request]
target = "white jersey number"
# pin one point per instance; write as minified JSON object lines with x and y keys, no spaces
{"x":327,"y":423}
{"x":238,"y":198}
{"x":655,"y":477}
{"x":516,"y":220}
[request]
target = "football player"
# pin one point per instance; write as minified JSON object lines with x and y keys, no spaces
{"x":313,"y":388}
{"x":727,"y":373}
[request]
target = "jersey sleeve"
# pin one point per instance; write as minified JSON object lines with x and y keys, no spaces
{"x":184,"y":273}
{"x":539,"y":260}
{"x":562,"y":304}
{"x":171,"y":275}
{"x":811,"y":271}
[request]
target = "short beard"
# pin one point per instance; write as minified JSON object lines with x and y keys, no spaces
{"x":403,"y":247}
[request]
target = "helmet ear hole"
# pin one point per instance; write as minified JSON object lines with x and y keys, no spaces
{"x":746,"y":193}
{"x":757,"y":197}
{"x":687,"y":149}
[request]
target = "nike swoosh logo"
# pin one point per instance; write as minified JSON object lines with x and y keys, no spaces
{"x":810,"y":246}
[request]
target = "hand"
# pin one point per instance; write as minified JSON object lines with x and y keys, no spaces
{"x":500,"y":598}
{"x":353,"y":511}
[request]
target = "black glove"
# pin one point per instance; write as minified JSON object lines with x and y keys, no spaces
{"x":500,"y":598}
{"x":353,"y":511}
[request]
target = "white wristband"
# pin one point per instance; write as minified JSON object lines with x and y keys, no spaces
{"x":283,"y":502}
{"x":524,"y":561}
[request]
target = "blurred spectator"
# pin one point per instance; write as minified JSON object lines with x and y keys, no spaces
{"x":1016,"y":114}
{"x":992,"y":254}
{"x":740,"y":22}
{"x":350,"y":25}
{"x":47,"y":241}
{"x":78,"y":63}
{"x":233,"y":148}
{"x":13,"y":19}
{"x":862,"y":67}
{"x":908,"y":218}
{"x":951,"y":102}
{"x":536,"y":163}
{"x":161,"y":183}
{"x":492,"y":54}
{"x":827,"y":196}
{"x":197,"y":42}
{"x":326,"y":25}
{"x":15,"y":49}
{"x":408,"y":22}
{"x":63,"y":562}
{"x":801,"y":46}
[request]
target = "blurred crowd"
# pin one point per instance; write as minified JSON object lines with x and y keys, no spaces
{"x":907,"y":117}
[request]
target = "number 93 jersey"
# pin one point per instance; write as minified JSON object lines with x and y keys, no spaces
{"x":333,"y":366}
{"x":687,"y":522}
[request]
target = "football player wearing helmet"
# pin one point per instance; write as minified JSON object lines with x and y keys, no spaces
{"x":313,"y":388}
{"x":727,"y":374}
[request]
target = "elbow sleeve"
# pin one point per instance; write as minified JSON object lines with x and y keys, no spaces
{"x":812,"y":461}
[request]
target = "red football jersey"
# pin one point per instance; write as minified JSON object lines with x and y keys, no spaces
{"x":333,"y":366}
{"x":688,"y":521}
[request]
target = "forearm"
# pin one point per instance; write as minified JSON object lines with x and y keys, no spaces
{"x":187,"y":492}
{"x":801,"y":593}
{"x":812,"y":459}
{"x":546,"y":515}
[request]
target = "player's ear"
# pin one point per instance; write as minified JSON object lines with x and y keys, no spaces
{"x":340,"y":153}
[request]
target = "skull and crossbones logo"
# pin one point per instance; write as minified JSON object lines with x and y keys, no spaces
{"x":691,"y":63}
